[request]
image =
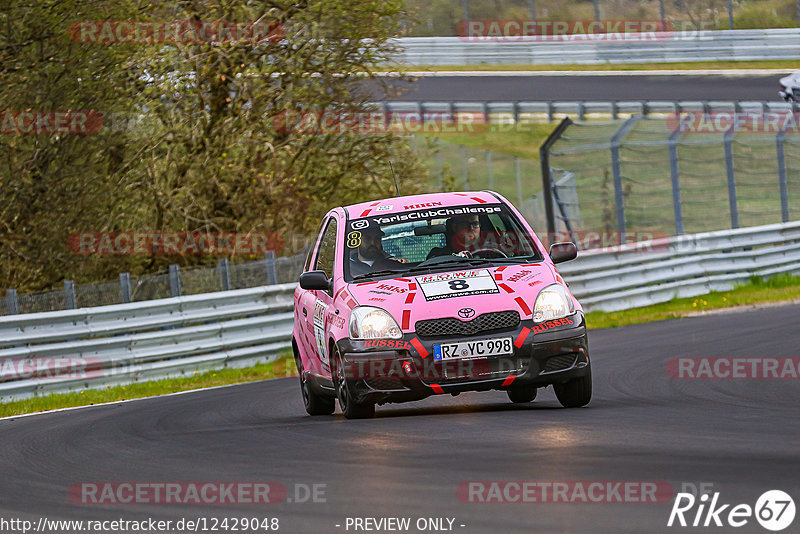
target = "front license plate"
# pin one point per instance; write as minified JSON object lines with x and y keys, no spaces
{"x":479,"y":348}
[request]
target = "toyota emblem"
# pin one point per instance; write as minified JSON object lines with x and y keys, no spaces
{"x":466,"y":313}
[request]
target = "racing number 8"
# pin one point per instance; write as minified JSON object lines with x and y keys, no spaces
{"x":354,"y":239}
{"x":458,"y":285}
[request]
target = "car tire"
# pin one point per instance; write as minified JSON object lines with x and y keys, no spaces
{"x":575,"y":393}
{"x":315,"y":404}
{"x":350,"y":408}
{"x":521,"y":395}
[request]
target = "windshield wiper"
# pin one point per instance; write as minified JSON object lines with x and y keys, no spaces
{"x":382,"y":272}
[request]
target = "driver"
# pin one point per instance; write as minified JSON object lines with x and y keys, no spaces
{"x":369,"y":256}
{"x":460,"y":232}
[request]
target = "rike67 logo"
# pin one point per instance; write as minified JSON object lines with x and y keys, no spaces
{"x":774,"y":510}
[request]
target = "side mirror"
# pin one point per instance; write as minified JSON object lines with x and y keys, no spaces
{"x":561,"y":252}
{"x":315,"y":280}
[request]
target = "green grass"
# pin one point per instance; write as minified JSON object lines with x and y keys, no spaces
{"x":282,"y":367}
{"x":686,"y":65}
{"x":757,"y":291}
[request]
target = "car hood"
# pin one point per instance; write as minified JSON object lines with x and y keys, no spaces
{"x":489,"y":289}
{"x":792,"y":80}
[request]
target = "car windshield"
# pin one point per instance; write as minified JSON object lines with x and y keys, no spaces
{"x":435,"y":238}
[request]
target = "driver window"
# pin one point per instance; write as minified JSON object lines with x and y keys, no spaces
{"x":327,"y":249}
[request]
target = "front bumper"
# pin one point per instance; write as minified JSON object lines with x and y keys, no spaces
{"x":404,"y":370}
{"x":786,"y":93}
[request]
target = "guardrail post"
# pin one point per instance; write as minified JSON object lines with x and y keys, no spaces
{"x":779,"y":139}
{"x":272,"y":272}
{"x":175,"y":280}
{"x":549,"y":111}
{"x":439,"y":163}
{"x":224,"y":274}
{"x":489,"y":169}
{"x":12,"y":304}
{"x":125,"y":287}
{"x":614,"y":110}
{"x":69,"y":293}
{"x":421,"y":111}
{"x":645,"y":108}
{"x":728,"y":140}
{"x":619,"y":198}
{"x":547,"y":179}
{"x":676,"y":181}
{"x":516,"y":112}
{"x":518,"y":173}
{"x":581,"y":111}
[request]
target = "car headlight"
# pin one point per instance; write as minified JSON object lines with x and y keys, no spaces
{"x":367,"y":322}
{"x":553,"y":302}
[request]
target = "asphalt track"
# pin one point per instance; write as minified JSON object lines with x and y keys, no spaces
{"x":743,"y":436}
{"x":575,"y":87}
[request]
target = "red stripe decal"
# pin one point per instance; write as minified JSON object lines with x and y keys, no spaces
{"x":406,"y":319}
{"x":366,"y":212}
{"x":498,"y":277}
{"x":508,"y":380}
{"x":437,"y":389}
{"x":420,"y":349}
{"x":506,"y":288}
{"x":522,"y":337}
{"x":402,"y":279}
{"x":462,"y":194}
{"x":412,"y":286}
{"x":336,"y":296}
{"x":480,"y":200}
{"x":524,"y":307}
{"x":366,"y":283}
{"x":501,"y":269}
{"x":351,"y":304}
{"x":410,"y":298}
{"x":375,"y":203}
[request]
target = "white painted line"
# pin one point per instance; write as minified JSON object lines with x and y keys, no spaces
{"x":71,"y":408}
{"x":532,"y":73}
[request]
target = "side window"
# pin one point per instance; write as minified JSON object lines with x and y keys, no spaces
{"x":327,"y":249}
{"x":311,"y":249}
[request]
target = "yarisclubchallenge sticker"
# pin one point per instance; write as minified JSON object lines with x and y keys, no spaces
{"x":457,"y":284}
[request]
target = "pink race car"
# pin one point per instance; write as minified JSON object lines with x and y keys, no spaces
{"x":421,"y":295}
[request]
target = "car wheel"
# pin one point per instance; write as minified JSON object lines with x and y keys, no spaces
{"x":575,"y":393}
{"x":519,"y":395}
{"x":315,"y":404}
{"x":350,"y":408}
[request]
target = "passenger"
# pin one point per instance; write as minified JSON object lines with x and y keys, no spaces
{"x":369,"y":256}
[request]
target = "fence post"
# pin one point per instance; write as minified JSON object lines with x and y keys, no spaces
{"x":272,"y":272}
{"x":676,"y":181}
{"x":490,"y":169}
{"x":728,"y":140}
{"x":125,"y":287}
{"x":547,"y":180}
{"x":12,"y":304}
{"x":466,"y":166}
{"x":619,"y":198}
{"x":779,"y":139}
{"x":69,"y":292}
{"x":175,"y":280}
{"x":225,"y":273}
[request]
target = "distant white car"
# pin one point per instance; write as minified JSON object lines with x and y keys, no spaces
{"x":790,"y":87}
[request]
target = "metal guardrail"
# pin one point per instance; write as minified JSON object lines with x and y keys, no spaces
{"x":93,"y":347}
{"x":703,"y":45}
{"x":179,"y":336}
{"x":505,"y":112}
{"x":650,"y":272}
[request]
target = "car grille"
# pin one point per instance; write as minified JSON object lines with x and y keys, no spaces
{"x":455,"y":327}
{"x":559,"y":363}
